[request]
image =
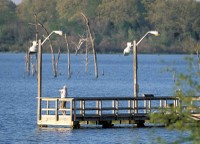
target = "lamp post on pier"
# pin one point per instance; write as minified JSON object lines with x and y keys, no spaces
{"x":37,"y":48}
{"x":127,"y":50}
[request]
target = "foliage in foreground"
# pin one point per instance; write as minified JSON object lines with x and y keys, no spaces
{"x":179,"y":118}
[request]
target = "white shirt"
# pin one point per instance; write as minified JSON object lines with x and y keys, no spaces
{"x":63,"y":92}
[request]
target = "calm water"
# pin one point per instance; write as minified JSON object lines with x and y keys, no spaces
{"x":18,"y":96}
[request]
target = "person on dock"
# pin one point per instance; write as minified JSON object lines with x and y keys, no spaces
{"x":63,"y":94}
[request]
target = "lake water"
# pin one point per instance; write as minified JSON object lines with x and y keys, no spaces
{"x":18,"y":93}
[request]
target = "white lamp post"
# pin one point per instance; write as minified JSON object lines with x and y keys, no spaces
{"x":127,"y":50}
{"x":40,"y":69}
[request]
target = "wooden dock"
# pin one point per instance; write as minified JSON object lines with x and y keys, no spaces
{"x":105,"y":111}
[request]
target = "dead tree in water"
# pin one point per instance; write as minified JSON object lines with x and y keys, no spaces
{"x":68,"y":53}
{"x":27,"y":57}
{"x":86,"y":58}
{"x":82,"y":41}
{"x":56,"y":63}
{"x":92,"y":44}
{"x":52,"y":52}
{"x":27,"y":62}
{"x":36,"y":38}
{"x":50,"y":43}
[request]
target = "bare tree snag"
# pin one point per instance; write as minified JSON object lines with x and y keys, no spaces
{"x":92,"y":44}
{"x":52,"y":52}
{"x":80,"y":43}
{"x":83,"y":40}
{"x":86,"y":59}
{"x":57,"y":59}
{"x":36,"y":38}
{"x":27,"y":62}
{"x":36,"y":28}
{"x":68,"y":53}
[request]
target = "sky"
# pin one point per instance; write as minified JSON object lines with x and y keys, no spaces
{"x":17,"y":1}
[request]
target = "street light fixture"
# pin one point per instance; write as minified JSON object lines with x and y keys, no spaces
{"x":34,"y":47}
{"x":155,"y":33}
{"x":127,"y":50}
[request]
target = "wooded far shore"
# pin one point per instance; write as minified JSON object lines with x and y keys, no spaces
{"x":113,"y":23}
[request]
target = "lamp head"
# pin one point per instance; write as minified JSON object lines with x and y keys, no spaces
{"x":127,"y":50}
{"x":58,"y":32}
{"x":156,"y":33}
{"x":34,"y":48}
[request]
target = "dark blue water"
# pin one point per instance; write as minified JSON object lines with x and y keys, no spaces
{"x":18,"y":93}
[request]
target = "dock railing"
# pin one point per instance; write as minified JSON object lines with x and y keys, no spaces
{"x":101,"y":109}
{"x":116,"y":107}
{"x":52,"y":113}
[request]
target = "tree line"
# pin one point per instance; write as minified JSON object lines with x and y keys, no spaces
{"x":113,"y":23}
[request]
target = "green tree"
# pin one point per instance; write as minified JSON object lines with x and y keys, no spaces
{"x":114,"y":22}
{"x":174,"y":19}
{"x":7,"y":11}
{"x":45,"y":11}
{"x":9,"y":28}
{"x":120,"y":21}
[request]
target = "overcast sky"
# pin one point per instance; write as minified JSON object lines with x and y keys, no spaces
{"x":17,"y":1}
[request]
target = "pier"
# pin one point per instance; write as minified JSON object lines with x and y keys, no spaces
{"x":98,"y":110}
{"x":105,"y":111}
